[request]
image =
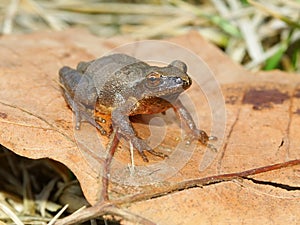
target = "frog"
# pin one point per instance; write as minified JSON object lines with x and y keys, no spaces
{"x":122,"y":86}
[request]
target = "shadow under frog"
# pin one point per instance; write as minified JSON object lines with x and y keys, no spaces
{"x":122,"y":86}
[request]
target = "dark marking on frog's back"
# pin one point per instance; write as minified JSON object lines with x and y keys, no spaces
{"x":264,"y":98}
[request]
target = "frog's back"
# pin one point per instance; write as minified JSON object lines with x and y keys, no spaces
{"x":109,"y":64}
{"x":113,"y":75}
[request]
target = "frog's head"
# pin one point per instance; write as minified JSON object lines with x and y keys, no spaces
{"x":167,"y":81}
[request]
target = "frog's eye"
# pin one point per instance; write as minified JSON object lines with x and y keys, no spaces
{"x":153,"y":79}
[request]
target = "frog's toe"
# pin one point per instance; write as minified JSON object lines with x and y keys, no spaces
{"x":101,"y":129}
{"x":159,"y":154}
{"x":212,"y":138}
{"x":151,"y":151}
{"x":212,"y":147}
{"x":141,"y":146}
{"x":77,"y":120}
{"x":77,"y":125}
{"x":81,"y":117}
{"x":199,"y":135}
{"x":202,"y":136}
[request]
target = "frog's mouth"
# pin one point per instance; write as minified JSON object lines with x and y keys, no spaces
{"x":183,"y":83}
{"x":167,"y":97}
{"x":170,"y":97}
{"x":186,"y":82}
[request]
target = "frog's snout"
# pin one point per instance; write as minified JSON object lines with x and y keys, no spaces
{"x":186,"y":82}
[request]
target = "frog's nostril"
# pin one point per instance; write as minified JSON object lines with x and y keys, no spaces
{"x":179,"y":80}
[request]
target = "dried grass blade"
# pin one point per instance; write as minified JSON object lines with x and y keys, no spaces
{"x":222,"y":23}
{"x":44,"y":195}
{"x":275,"y":14}
{"x":121,"y":8}
{"x":9,"y":17}
{"x":28,"y":200}
{"x":53,"y":220}
{"x":11,"y":214}
{"x":249,"y":32}
{"x":162,"y":28}
{"x":52,"y":21}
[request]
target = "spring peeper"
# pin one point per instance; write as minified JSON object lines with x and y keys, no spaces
{"x":123,"y":86}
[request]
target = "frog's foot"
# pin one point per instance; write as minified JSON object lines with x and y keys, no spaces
{"x":141,"y":146}
{"x":201,"y":136}
{"x":83,"y":115}
{"x":90,"y":120}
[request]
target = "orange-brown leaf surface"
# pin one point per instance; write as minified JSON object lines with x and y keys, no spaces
{"x":256,"y":118}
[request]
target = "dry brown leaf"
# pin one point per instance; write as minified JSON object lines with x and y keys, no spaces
{"x":262,"y":124}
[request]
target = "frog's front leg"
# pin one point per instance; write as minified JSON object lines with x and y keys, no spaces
{"x":194,"y":132}
{"x":81,"y":95}
{"x":120,"y":119}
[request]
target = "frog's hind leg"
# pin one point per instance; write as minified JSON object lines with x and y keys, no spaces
{"x":82,"y":98}
{"x":82,"y":66}
{"x":81,"y":114}
{"x":69,"y":78}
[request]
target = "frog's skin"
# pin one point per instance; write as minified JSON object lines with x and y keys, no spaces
{"x":123,"y":86}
